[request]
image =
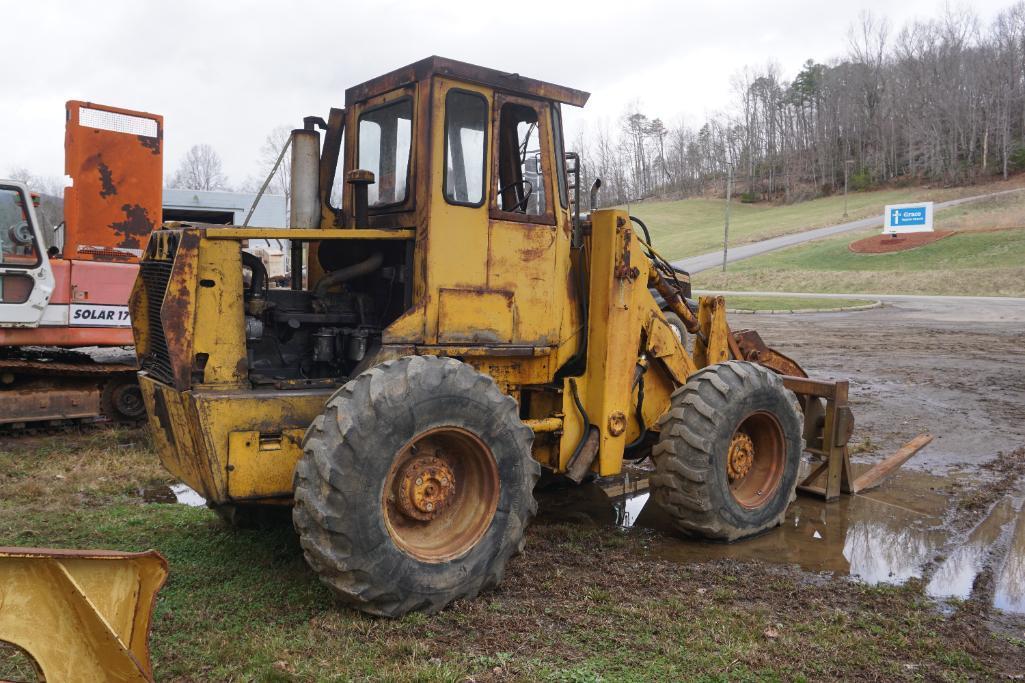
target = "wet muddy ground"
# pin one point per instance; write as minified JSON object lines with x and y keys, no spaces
{"x":952,"y":517}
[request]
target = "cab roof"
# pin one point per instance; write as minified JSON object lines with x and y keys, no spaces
{"x":462,"y":71}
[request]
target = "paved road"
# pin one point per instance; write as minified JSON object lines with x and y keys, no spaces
{"x":952,"y":366}
{"x":980,"y":309}
{"x":696,"y":264}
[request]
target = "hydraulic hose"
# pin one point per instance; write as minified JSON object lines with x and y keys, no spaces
{"x":583,"y":415}
{"x":639,"y":415}
{"x":258,"y":285}
{"x":337,"y":277}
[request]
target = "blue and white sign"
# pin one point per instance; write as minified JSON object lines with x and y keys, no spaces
{"x":901,"y":218}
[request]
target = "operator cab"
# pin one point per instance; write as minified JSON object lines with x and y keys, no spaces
{"x":454,"y":179}
{"x":26,"y":280}
{"x":473,"y":159}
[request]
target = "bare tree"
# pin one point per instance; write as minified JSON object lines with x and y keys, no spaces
{"x":945,"y":100}
{"x":281,"y":183}
{"x":200,"y":169}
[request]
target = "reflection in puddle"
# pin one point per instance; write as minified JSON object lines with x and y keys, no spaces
{"x":956,"y":576}
{"x":889,"y":535}
{"x":1010,"y":588}
{"x":630,"y":508}
{"x":882,"y":553}
{"x":178,"y":493}
{"x":186,"y":496}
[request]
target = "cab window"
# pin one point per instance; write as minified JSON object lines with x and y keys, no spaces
{"x":385,"y":140}
{"x":521,"y":186}
{"x":18,"y":248}
{"x":466,"y":119}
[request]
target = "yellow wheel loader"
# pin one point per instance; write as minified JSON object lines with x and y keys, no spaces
{"x":453,"y":326}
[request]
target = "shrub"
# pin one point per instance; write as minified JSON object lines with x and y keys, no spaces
{"x":860,"y":180}
{"x":1016,"y":161}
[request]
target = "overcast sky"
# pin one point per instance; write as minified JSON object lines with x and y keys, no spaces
{"x":226,"y":73}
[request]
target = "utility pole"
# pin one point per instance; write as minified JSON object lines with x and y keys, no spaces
{"x":846,"y":167}
{"x":726,"y":228}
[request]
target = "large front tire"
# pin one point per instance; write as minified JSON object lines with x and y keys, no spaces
{"x":729,"y":452}
{"x":415,"y":486}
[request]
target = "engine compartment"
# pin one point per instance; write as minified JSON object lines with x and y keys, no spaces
{"x":326,"y":333}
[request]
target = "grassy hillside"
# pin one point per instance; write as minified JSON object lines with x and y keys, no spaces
{"x":1005,"y":211}
{"x":970,"y":263}
{"x":695,"y":226}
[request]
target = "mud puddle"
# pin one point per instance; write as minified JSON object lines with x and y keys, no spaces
{"x":176,"y":493}
{"x":887,"y":536}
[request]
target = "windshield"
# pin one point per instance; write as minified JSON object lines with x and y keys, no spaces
{"x":18,"y":248}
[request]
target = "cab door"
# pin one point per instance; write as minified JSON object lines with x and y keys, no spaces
{"x":497,"y":226}
{"x":524,"y":220}
{"x":26,"y":279}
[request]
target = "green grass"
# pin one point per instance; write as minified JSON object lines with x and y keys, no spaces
{"x":690,"y":227}
{"x":1005,"y":211}
{"x":789,"y":303}
{"x":969,"y":263}
{"x":582,"y":604}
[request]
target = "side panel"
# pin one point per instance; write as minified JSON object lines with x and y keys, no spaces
{"x":102,"y":283}
{"x":262,"y":465}
{"x":61,"y":281}
{"x":67,"y":402}
{"x":61,"y":335}
{"x":473,"y":316}
{"x":219,"y":298}
{"x":201,"y":437}
{"x":115,"y":160}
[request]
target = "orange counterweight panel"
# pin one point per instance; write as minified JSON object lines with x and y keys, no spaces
{"x":115,"y":160}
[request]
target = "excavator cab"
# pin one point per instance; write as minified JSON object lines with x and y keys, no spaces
{"x":26,"y":279}
{"x":451,"y":327}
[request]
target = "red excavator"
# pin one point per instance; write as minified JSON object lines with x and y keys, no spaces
{"x":64,"y":325}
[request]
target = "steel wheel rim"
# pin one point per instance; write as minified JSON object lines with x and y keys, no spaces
{"x":754,"y":487}
{"x":441,"y":494}
{"x":128,"y":401}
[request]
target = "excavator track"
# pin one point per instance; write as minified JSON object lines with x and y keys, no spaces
{"x":53,"y":388}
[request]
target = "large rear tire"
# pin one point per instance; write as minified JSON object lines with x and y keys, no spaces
{"x":729,"y":452}
{"x":415,"y":486}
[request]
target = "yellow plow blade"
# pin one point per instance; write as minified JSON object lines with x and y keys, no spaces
{"x":82,"y":615}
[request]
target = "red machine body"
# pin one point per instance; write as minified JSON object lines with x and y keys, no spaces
{"x":76,"y":295}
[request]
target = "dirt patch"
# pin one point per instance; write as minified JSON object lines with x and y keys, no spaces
{"x":886,"y":244}
{"x":1006,"y":471}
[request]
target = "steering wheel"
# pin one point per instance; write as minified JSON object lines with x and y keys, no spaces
{"x":521,"y":206}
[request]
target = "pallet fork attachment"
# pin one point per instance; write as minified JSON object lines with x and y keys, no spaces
{"x":838,"y":424}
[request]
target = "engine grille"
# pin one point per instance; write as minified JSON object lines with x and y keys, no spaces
{"x":155,"y":275}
